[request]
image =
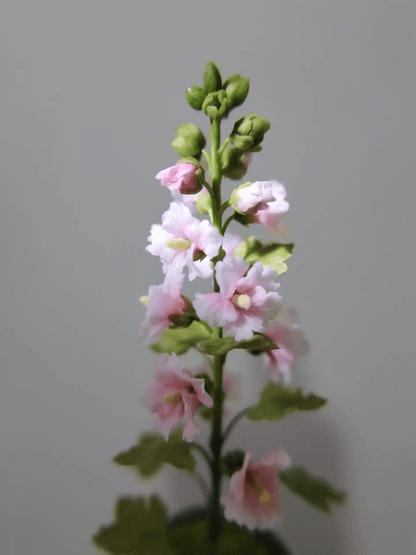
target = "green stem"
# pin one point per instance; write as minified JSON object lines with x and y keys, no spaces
{"x":215,"y":517}
{"x":227,"y":222}
{"x":233,"y":423}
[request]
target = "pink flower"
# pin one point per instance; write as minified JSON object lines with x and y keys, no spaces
{"x":181,"y":177}
{"x":284,"y":332}
{"x":263,"y":200}
{"x":164,"y":302}
{"x":253,"y":497}
{"x":174,"y":393}
{"x":244,"y":304}
{"x":183,"y":240}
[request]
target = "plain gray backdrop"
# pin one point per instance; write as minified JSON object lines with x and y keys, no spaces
{"x":91,"y":91}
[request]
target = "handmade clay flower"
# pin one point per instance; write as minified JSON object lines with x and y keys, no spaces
{"x":183,"y":240}
{"x":264,"y":201}
{"x":173,"y":394}
{"x":253,"y":497}
{"x":181,"y":177}
{"x":244,"y":304}
{"x":285,"y":333}
{"x":164,"y":303}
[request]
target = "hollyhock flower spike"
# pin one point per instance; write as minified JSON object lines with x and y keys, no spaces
{"x":183,"y":240}
{"x":173,"y":394}
{"x":163,"y":303}
{"x":244,"y":303}
{"x":181,"y":178}
{"x":264,"y":201}
{"x":285,"y":333}
{"x":253,"y":497}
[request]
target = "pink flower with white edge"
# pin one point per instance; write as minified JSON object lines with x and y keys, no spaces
{"x":181,"y":177}
{"x":264,"y":201}
{"x":245,"y":303}
{"x":285,"y":333}
{"x":163,"y":304}
{"x":183,"y":240}
{"x":253,"y":497}
{"x":173,"y":394}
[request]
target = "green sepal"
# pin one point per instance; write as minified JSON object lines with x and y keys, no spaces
{"x":220,"y":256}
{"x":152,"y":452}
{"x":277,"y":401}
{"x":232,"y":462}
{"x":237,"y":88}
{"x":260,"y":343}
{"x":189,"y":141}
{"x":269,"y":254}
{"x":212,"y":78}
{"x":139,"y":528}
{"x":313,"y":490}
{"x":195,"y":96}
{"x":219,"y":346}
{"x":233,"y":163}
{"x":244,"y":220}
{"x":234,"y":197}
{"x":204,"y":203}
{"x":180,"y":340}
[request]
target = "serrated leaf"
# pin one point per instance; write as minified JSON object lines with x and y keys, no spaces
{"x":139,"y":528}
{"x":259,"y":342}
{"x":269,"y":254}
{"x":315,"y":491}
{"x":180,"y":340}
{"x":152,"y":452}
{"x":277,"y":401}
{"x":219,"y":346}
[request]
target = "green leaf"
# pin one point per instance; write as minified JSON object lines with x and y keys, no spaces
{"x":270,"y":254}
{"x":139,"y":528}
{"x":259,"y":342}
{"x":315,"y":491}
{"x":219,"y":346}
{"x":180,"y":340}
{"x":152,"y":452}
{"x":277,"y":401}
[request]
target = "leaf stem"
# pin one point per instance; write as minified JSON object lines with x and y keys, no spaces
{"x":227,"y":222}
{"x":203,"y":451}
{"x":233,"y":423}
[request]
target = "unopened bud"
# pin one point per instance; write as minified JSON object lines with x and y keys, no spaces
{"x":234,"y":163}
{"x":212,"y":78}
{"x":189,"y":140}
{"x":248,"y":132}
{"x":236,"y":88}
{"x":195,"y":97}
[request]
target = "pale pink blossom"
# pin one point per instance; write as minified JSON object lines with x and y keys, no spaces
{"x":181,"y":178}
{"x":231,"y":384}
{"x":245,"y":303}
{"x":175,"y":394}
{"x":164,"y":302}
{"x":285,"y":333}
{"x":264,"y":201}
{"x":183,"y":240}
{"x":253,"y":497}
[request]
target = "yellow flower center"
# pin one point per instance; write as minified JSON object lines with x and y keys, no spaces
{"x":243,"y":301}
{"x":178,"y":244}
{"x":263,"y":495}
{"x":144,"y":300}
{"x":173,"y":397}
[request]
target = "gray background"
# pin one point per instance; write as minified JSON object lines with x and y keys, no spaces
{"x":90,"y":94}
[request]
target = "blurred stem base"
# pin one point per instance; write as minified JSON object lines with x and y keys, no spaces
{"x":188,"y":535}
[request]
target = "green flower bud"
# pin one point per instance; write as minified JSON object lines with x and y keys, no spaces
{"x":236,"y":88}
{"x":234,"y":163}
{"x":212,"y":78}
{"x":204,"y":203}
{"x":248,"y":132}
{"x":195,"y":97}
{"x":189,"y":140}
{"x":215,"y":104}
